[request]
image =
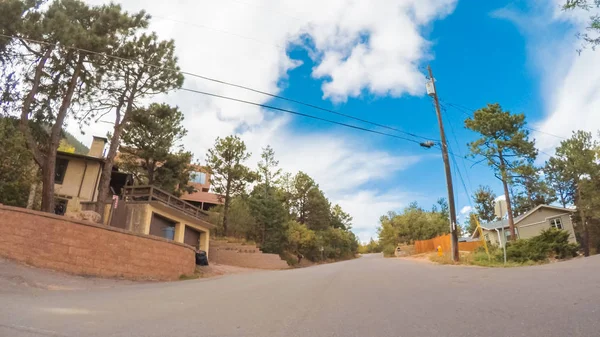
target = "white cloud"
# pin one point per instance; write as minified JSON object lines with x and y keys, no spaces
{"x":466,"y":210}
{"x":569,"y":80}
{"x":357,"y":46}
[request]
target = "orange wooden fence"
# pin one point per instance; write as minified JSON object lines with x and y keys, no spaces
{"x":424,"y":246}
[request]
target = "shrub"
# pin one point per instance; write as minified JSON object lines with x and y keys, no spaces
{"x":389,"y":250}
{"x":550,"y":243}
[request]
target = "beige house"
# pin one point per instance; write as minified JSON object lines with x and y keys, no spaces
{"x":530,"y":224}
{"x":77,"y":176}
{"x":141,"y":209}
{"x":151,"y":211}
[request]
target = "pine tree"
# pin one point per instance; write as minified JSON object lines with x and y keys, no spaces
{"x":229,"y":175}
{"x":504,"y":143}
{"x":152,"y":71}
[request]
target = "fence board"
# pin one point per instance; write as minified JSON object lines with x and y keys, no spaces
{"x":425,"y":246}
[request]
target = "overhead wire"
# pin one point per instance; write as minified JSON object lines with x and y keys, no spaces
{"x":297,"y":113}
{"x":231,"y":84}
{"x":453,"y":132}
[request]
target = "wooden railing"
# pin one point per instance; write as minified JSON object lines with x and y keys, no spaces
{"x":151,"y":193}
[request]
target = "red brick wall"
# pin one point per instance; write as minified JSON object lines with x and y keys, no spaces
{"x":243,"y":256}
{"x":84,"y":248}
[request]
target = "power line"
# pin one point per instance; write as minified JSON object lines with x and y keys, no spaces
{"x":231,"y":85}
{"x":220,"y":31}
{"x":458,"y":147}
{"x":298,"y":114}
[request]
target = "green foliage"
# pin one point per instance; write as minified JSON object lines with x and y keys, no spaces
{"x":300,"y":187}
{"x":229,"y":175}
{"x":563,"y":187}
{"x":268,"y":171}
{"x":389,"y":250}
{"x":75,"y":143}
{"x":340,"y":219}
{"x":17,"y":169}
{"x":57,"y":80}
{"x":149,"y":148}
{"x":471,"y":223}
{"x":550,"y":243}
{"x":414,"y":223}
{"x":241,"y":221}
{"x":317,"y":210}
{"x":534,"y":190}
{"x":484,"y":204}
{"x":504,"y":143}
{"x":270,"y":217}
{"x":175,"y":173}
{"x":271,"y":213}
{"x":577,"y":158}
{"x":129,"y":83}
{"x":593,"y":26}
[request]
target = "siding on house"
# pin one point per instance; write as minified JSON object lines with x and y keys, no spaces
{"x":79,"y":183}
{"x":533,"y":223}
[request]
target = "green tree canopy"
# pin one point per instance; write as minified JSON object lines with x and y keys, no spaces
{"x":229,"y":175}
{"x":504,"y":144}
{"x":484,"y":199}
{"x":151,"y":151}
{"x":59,"y":72}
{"x":592,"y":36}
{"x":152,"y":71}
{"x":578,"y":158}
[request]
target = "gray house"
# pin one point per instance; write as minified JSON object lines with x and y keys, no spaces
{"x":530,"y":224}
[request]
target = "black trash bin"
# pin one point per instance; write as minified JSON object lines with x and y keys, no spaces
{"x":201,"y":258}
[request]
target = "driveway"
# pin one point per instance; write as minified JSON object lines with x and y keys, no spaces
{"x":370,"y":296}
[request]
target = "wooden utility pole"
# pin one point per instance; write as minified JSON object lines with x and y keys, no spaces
{"x":453,"y":229}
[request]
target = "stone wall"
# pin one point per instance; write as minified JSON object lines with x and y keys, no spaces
{"x":84,"y":248}
{"x":247,"y":256}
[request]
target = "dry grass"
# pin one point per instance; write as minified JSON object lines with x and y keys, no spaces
{"x":476,"y":259}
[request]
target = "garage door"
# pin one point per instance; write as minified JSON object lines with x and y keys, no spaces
{"x":162,"y":227}
{"x":191,"y":237}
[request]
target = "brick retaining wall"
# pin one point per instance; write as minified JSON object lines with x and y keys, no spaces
{"x":243,"y":256}
{"x":85,"y":248}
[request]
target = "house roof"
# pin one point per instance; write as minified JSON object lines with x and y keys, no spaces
{"x":504,"y":222}
{"x":79,"y":156}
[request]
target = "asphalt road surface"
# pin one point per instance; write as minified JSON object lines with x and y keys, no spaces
{"x":370,"y":296}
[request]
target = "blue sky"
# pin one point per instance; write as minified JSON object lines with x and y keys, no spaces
{"x":473,"y":67}
{"x":368,"y":59}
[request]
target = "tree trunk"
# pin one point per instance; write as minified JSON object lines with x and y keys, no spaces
{"x":511,"y":222}
{"x":586,"y":232}
{"x":49,"y":169}
{"x":226,"y":206}
{"x":31,"y":198}
{"x":104,"y":185}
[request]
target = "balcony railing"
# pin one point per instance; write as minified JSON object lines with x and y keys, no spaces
{"x":151,"y":193}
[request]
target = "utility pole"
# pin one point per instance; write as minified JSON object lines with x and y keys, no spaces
{"x":431,"y":90}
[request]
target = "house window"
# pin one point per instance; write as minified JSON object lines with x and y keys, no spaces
{"x":199,"y":177}
{"x":60,"y":170}
{"x":556,"y":223}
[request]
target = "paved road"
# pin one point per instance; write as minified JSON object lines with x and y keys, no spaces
{"x":370,"y":296}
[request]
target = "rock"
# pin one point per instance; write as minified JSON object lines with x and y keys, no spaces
{"x":84,"y":215}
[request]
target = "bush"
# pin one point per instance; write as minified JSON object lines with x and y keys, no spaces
{"x":389,"y":250}
{"x":550,"y":243}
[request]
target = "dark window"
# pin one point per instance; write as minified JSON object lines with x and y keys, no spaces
{"x":556,"y":223}
{"x":61,"y":169}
